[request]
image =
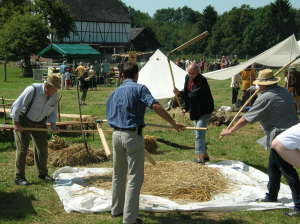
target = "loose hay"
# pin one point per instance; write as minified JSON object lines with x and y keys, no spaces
{"x":180,"y":181}
{"x":75,"y":155}
{"x":57,"y":143}
{"x":150,"y":144}
{"x":179,"y":117}
{"x":222,"y":118}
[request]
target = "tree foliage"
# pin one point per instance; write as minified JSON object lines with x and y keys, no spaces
{"x":242,"y":31}
{"x":57,"y":14}
{"x":23,"y":35}
{"x":25,"y":26}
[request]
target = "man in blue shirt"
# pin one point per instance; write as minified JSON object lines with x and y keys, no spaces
{"x":125,"y":110}
{"x":36,"y":104}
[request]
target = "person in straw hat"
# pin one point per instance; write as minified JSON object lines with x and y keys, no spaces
{"x":36,"y":105}
{"x":275,"y":109}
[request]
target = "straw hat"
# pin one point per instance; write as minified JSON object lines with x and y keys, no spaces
{"x":54,"y":81}
{"x":266,"y":77}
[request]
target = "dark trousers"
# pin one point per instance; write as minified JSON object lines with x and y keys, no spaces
{"x":40,"y":147}
{"x":277,"y":167}
{"x":84,"y":93}
{"x":235,"y":92}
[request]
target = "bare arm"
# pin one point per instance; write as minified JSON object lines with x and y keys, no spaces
{"x":157,"y":108}
{"x":241,"y":123}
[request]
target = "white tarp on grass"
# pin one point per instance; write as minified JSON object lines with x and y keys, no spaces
{"x":156,"y":76}
{"x":277,"y":56}
{"x":248,"y":184}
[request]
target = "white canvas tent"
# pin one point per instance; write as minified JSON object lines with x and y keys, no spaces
{"x":156,"y":76}
{"x":277,"y":56}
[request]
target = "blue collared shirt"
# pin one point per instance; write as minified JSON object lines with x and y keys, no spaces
{"x":126,"y":106}
{"x":42,"y":106}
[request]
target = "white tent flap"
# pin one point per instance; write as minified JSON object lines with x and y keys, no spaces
{"x":156,"y":76}
{"x":277,"y":56}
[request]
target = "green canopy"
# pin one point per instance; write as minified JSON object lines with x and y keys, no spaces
{"x":69,"y":51}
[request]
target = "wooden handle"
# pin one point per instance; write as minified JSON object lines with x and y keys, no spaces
{"x":173,"y":82}
{"x":103,"y":140}
{"x":149,"y":158}
{"x":10,"y":127}
{"x":167,"y":126}
{"x":190,"y":42}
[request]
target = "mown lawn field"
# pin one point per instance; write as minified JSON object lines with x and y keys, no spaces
{"x":39,"y":203}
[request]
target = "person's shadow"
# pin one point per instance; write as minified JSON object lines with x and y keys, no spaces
{"x":15,"y":205}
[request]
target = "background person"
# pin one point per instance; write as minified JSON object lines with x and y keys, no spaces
{"x":198,"y":101}
{"x":274,"y":108}
{"x":236,"y":80}
{"x":84,"y":82}
{"x":248,"y":76}
{"x":125,"y":110}
{"x":293,"y":85}
{"x":36,"y":105}
{"x":62,"y":71}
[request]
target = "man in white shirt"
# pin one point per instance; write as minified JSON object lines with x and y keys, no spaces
{"x":36,"y":105}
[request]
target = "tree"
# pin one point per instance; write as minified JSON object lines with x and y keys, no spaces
{"x":138,"y":18}
{"x":209,"y":18}
{"x":283,"y":19}
{"x":58,"y":16}
{"x":23,"y":35}
{"x":227,"y":34}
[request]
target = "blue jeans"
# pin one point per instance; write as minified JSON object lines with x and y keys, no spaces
{"x":200,"y":144}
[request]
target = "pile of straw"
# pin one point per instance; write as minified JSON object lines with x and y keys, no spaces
{"x":221,"y":118}
{"x":57,"y":143}
{"x":75,"y":155}
{"x":180,"y":181}
{"x":150,"y":144}
{"x":184,"y":181}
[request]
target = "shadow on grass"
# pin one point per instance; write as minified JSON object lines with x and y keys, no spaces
{"x":173,"y":144}
{"x":15,"y":205}
{"x":192,"y":218}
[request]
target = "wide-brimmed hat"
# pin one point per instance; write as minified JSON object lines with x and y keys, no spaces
{"x":54,"y":81}
{"x":266,"y":77}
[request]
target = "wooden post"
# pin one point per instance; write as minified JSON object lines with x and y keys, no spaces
{"x":103,"y":140}
{"x":5,"y":70}
{"x":81,"y":125}
{"x":4,"y":111}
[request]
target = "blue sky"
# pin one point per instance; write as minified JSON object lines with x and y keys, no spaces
{"x":221,"y":6}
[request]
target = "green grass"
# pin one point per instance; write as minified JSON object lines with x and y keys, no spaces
{"x":39,"y":203}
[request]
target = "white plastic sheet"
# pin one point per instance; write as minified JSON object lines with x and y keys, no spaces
{"x":248,"y":184}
